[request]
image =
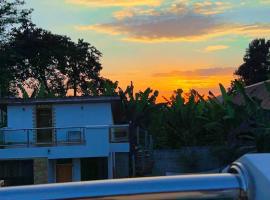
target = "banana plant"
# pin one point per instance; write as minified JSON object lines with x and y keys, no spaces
{"x":38,"y":92}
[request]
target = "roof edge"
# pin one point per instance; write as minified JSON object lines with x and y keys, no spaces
{"x":59,"y":100}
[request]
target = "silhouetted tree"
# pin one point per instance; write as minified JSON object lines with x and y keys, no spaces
{"x":11,"y":15}
{"x":55,"y":61}
{"x":7,"y":73}
{"x":81,"y":66}
{"x":256,"y":66}
{"x":37,"y":54}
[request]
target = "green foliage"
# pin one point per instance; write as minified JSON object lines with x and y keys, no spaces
{"x":108,"y":87}
{"x":196,"y":121}
{"x":138,"y":107}
{"x":192,"y":120}
{"x":23,"y":91}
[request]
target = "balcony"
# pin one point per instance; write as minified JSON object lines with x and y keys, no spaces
{"x":60,"y":136}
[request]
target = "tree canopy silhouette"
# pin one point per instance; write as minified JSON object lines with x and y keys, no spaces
{"x":256,"y":66}
{"x":11,"y":15}
{"x":35,"y":56}
{"x":80,"y":64}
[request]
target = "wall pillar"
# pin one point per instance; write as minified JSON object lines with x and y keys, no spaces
{"x":40,"y":170}
{"x":51,"y":171}
{"x":110,"y":165}
{"x":76,"y":169}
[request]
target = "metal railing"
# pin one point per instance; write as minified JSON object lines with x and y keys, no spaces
{"x":212,"y":186}
{"x":57,"y":136}
{"x":246,"y":179}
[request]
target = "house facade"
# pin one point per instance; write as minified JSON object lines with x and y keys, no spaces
{"x":62,"y":140}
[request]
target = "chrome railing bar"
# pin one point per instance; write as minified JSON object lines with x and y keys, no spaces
{"x":195,"y":186}
{"x":70,"y":127}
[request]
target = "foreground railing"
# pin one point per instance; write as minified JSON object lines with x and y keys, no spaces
{"x":57,"y":136}
{"x":212,"y":186}
{"x":246,"y":179}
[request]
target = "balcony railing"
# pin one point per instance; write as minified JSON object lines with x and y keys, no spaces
{"x":57,"y":136}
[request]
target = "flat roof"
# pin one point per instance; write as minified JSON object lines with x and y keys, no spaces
{"x":59,"y":100}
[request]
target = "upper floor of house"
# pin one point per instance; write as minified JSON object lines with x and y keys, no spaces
{"x":84,"y":126}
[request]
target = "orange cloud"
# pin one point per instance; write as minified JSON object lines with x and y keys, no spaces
{"x":215,"y":48}
{"x":201,"y":72}
{"x":112,"y":3}
{"x":131,"y":12}
{"x":187,"y":28}
{"x":181,"y":21}
{"x":211,"y":8}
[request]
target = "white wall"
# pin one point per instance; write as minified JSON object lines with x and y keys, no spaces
{"x":67,"y":115}
{"x":76,"y":169}
{"x":20,"y":116}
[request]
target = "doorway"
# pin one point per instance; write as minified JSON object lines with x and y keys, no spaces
{"x":44,"y":133}
{"x":64,"y":170}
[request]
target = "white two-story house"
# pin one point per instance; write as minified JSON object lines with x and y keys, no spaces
{"x":62,"y":140}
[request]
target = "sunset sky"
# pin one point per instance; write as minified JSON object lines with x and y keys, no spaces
{"x":164,"y":44}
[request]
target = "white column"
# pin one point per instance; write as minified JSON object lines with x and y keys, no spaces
{"x":76,"y":169}
{"x":51,"y":171}
{"x":110,"y":165}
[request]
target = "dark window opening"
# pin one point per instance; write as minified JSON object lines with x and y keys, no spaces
{"x":19,"y":172}
{"x":94,"y":168}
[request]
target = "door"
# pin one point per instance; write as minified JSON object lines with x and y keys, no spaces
{"x":64,"y":170}
{"x":44,"y":124}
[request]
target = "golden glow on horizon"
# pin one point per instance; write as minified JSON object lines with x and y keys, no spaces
{"x":167,"y":84}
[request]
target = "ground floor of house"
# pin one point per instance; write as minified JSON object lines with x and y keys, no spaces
{"x":44,"y":170}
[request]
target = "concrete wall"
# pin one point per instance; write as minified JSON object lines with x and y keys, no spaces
{"x":168,"y":162}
